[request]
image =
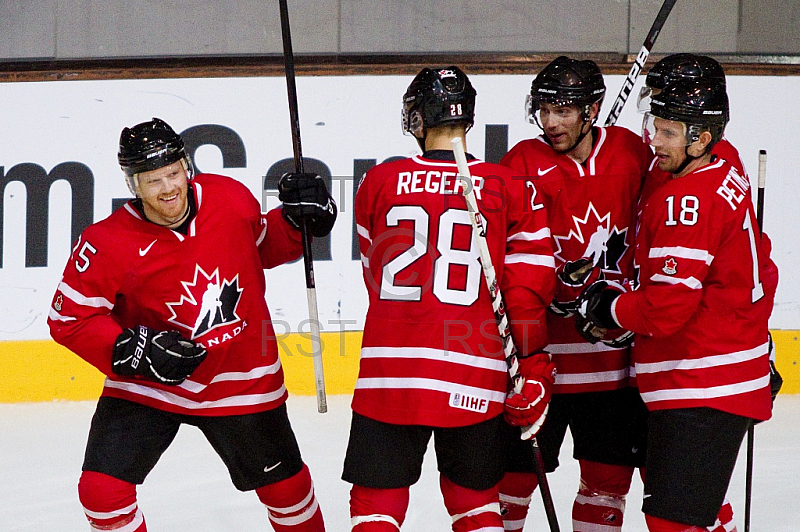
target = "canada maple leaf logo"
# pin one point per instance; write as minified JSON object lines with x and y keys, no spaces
{"x":670,"y":266}
{"x":206,"y":303}
{"x":605,"y":244}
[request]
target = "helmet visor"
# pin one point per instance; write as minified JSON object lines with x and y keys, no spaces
{"x":643,"y":100}
{"x":664,"y":133}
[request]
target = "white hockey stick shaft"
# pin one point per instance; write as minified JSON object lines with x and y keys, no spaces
{"x":501,"y":317}
{"x":489,"y":275}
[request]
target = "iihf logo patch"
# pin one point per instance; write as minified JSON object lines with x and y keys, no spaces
{"x":670,"y":266}
{"x":469,"y":402}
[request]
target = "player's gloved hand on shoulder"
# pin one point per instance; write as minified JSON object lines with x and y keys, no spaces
{"x":571,"y":278}
{"x":593,"y":317}
{"x":527,"y":406}
{"x":160,"y":356}
{"x":305,"y":197}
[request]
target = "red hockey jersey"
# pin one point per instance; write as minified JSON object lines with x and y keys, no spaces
{"x":702,"y":306}
{"x":209,"y":285}
{"x":431,"y":354}
{"x":592,"y":213}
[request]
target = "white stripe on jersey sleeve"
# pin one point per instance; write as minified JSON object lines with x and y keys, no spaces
{"x":362,"y":232}
{"x":682,"y":253}
{"x":534,"y":260}
{"x":541,"y":234}
{"x":80,"y":299}
{"x":55,"y":316}
{"x":691,"y":282}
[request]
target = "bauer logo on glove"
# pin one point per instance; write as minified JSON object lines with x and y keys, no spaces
{"x":160,"y":356}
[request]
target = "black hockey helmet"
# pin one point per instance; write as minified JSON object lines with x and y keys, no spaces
{"x":149,"y":146}
{"x":683,"y":66}
{"x":675,"y":67}
{"x":438,"y":96}
{"x":701,"y":104}
{"x":567,"y":81}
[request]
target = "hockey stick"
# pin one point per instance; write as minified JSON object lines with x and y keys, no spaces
{"x":500,"y":316}
{"x":308,"y":259}
{"x":638,"y":63}
{"x":748,"y":480}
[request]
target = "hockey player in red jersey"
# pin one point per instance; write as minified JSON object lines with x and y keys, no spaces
{"x":166,"y":298}
{"x":700,"y":313}
{"x":431,"y":360}
{"x":691,"y":66}
{"x":589,"y":179}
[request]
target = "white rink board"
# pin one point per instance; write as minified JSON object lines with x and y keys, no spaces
{"x":342,"y":119}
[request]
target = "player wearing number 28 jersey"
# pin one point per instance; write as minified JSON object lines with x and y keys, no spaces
{"x":431,"y":354}
{"x":432,"y":361}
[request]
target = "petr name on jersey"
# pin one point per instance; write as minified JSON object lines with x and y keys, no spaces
{"x":733,"y":188}
{"x":434,"y":182}
{"x":469,"y":402}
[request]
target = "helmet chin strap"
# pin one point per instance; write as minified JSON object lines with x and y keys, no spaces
{"x":580,"y":137}
{"x":688,"y":159}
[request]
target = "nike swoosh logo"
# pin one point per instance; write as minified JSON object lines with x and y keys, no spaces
{"x":543,"y":172}
{"x":646,"y":495}
{"x":270,"y":468}
{"x":143,"y":252}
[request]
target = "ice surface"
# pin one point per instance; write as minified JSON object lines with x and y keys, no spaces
{"x":41,"y":450}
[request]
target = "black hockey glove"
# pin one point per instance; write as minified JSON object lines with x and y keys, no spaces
{"x":775,"y":379}
{"x":571,"y":278}
{"x":593,"y":314}
{"x":160,"y":356}
{"x":304,"y":196}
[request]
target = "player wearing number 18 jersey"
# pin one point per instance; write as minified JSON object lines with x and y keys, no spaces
{"x":700,"y":314}
{"x":431,"y":358}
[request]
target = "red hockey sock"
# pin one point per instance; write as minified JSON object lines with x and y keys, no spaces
{"x":515,"y":497}
{"x":724,"y":521}
{"x":656,"y":524}
{"x":110,"y":503}
{"x":471,"y":509}
{"x":377,"y":510}
{"x":600,"y":503}
{"x":291,"y":504}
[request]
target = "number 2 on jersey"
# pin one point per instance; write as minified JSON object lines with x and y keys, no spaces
{"x":447,"y":256}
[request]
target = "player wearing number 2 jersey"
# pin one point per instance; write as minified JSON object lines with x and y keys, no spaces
{"x":700,"y":313}
{"x":589,"y":179}
{"x":431,"y":359}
